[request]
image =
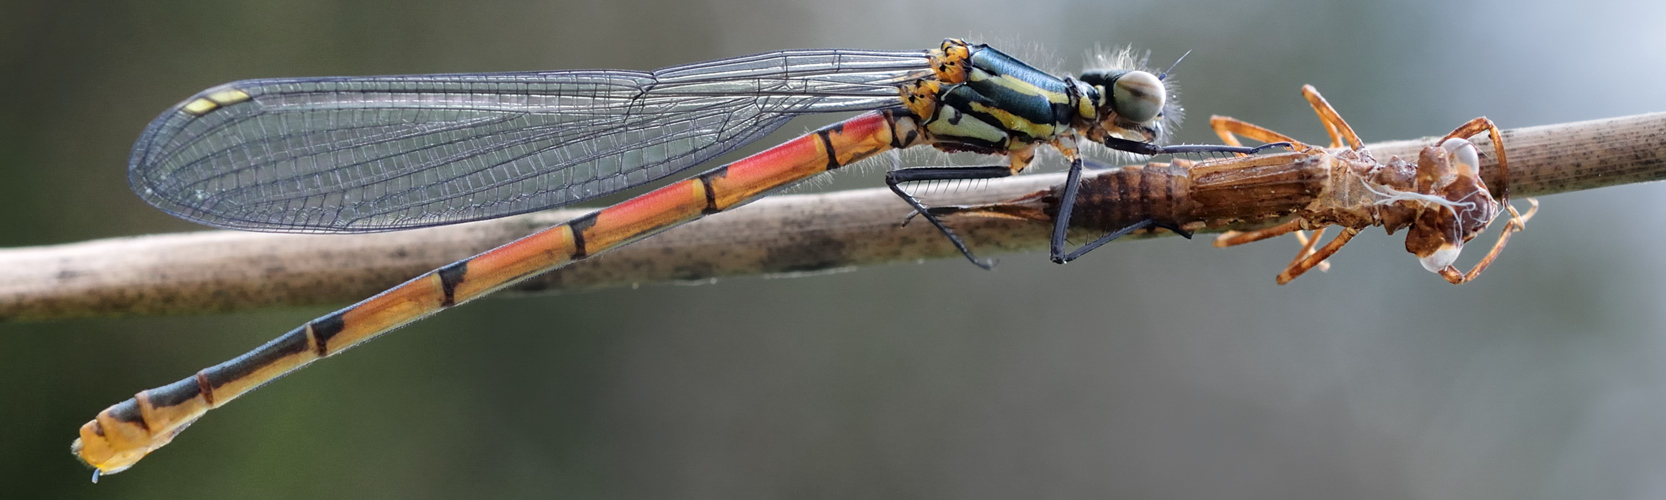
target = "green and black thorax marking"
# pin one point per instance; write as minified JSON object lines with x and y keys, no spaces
{"x":1006,"y":104}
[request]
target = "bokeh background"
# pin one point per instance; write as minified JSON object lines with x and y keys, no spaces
{"x":1157,"y":369}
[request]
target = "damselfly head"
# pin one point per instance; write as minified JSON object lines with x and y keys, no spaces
{"x":1136,"y":96}
{"x":1135,"y":104}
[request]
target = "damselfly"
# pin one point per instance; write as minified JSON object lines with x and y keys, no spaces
{"x":356,"y":154}
{"x":1440,"y":199}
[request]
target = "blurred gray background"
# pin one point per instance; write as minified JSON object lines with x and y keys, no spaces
{"x":1158,"y":369}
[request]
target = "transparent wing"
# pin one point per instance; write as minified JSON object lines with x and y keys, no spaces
{"x":356,"y":154}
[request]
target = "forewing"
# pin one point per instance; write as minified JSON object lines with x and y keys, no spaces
{"x":353,"y":154}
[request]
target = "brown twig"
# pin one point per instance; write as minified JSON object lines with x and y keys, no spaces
{"x":224,"y":271}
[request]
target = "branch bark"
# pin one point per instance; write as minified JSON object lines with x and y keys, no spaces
{"x":225,"y":271}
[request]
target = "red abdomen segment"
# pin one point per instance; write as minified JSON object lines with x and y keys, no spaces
{"x":124,"y":433}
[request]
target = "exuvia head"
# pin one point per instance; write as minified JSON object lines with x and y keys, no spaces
{"x":1133,"y":103}
{"x":1467,"y":206}
{"x":1466,"y":186}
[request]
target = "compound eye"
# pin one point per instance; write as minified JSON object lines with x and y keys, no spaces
{"x":1464,"y":157}
{"x":1445,"y":256}
{"x":1138,"y":96}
